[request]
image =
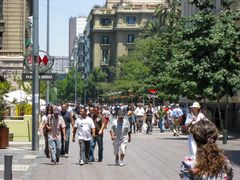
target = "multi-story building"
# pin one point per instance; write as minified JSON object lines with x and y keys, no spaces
{"x":15,"y":34}
{"x":61,"y":65}
{"x":76,"y":43}
{"x":87,"y":50}
{"x":76,"y":27}
{"x":81,"y":55}
{"x":115,"y":26}
{"x":236,"y":4}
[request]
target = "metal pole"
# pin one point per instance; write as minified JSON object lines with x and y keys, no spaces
{"x":47,"y":98}
{"x":35,"y":92}
{"x":75,"y":87}
{"x":85,"y":96}
{"x":225,"y":136}
{"x":153,"y":100}
{"x":8,"y":167}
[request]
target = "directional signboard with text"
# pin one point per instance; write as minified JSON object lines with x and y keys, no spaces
{"x":44,"y":77}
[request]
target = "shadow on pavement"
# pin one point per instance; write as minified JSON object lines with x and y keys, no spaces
{"x":45,"y":163}
{"x":111,"y":164}
{"x":174,"y":138}
{"x":233,"y":156}
{"x":232,"y":135}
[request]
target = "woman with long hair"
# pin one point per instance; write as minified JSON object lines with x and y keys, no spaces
{"x":210,"y":163}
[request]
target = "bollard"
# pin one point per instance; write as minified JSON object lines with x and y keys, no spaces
{"x":225,"y":136}
{"x":8,"y":167}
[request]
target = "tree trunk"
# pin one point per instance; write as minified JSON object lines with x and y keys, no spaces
{"x":204,"y":106}
{"x":226,"y":113}
{"x":220,"y":115}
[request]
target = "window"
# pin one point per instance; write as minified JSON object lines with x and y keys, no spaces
{"x":105,"y":56}
{"x":1,"y":40}
{"x":105,"y":22}
{"x":105,"y":39}
{"x":131,"y":20}
{"x":130,"y":38}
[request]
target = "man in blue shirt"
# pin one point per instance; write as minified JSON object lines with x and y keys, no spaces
{"x":177,"y":114}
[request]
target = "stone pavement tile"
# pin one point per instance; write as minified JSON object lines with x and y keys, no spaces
{"x":152,"y":157}
{"x":23,"y":157}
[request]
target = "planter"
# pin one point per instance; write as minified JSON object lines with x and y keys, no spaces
{"x":4,"y":137}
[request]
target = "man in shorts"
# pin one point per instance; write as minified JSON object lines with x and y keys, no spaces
{"x":121,"y":135}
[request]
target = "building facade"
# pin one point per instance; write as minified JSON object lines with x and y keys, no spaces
{"x":15,"y":34}
{"x":188,"y":9}
{"x":114,"y":27}
{"x":61,"y":65}
{"x":76,"y":27}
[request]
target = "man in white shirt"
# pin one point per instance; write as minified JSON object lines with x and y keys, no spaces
{"x":121,"y":135}
{"x":139,"y":113}
{"x":84,"y":126}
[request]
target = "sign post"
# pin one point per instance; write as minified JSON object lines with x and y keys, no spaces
{"x":35,"y":74}
{"x":153,"y":91}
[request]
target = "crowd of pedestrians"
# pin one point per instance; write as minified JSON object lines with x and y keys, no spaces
{"x":88,"y":125}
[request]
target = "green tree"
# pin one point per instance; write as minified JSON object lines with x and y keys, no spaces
{"x":166,"y":18}
{"x":66,"y":86}
{"x":131,"y":74}
{"x":4,"y":88}
{"x":207,"y":56}
{"x":95,"y":83}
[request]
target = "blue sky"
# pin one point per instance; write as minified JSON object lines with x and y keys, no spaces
{"x":60,"y":12}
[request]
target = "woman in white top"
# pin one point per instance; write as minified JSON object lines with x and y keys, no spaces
{"x":193,"y":118}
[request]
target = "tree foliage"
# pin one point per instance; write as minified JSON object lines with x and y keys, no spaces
{"x":4,"y":88}
{"x":96,"y":83}
{"x":66,"y":86}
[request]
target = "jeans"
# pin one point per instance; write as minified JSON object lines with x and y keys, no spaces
{"x":54,"y":145}
{"x":65,"y":145}
{"x":149,"y":126}
{"x":99,"y":140}
{"x":139,"y":123}
{"x":46,"y":149}
{"x":84,"y":149}
{"x":161,"y":124}
{"x":132,"y":126}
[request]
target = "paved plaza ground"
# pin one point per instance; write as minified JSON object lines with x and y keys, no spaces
{"x":149,"y":157}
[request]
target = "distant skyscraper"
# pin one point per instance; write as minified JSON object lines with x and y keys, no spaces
{"x":76,"y":28}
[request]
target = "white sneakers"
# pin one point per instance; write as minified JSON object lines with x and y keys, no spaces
{"x":81,"y":162}
{"x":66,"y":155}
{"x":121,"y":164}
